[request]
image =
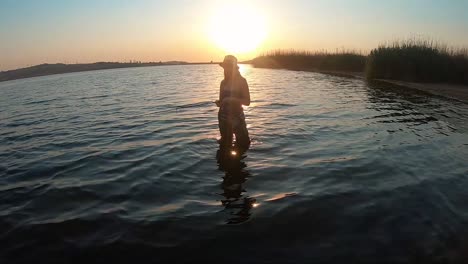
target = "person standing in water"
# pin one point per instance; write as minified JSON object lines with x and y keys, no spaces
{"x":233,"y":93}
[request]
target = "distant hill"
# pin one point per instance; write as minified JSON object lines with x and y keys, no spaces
{"x":49,"y":69}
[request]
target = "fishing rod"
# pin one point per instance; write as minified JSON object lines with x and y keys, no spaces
{"x":194,"y":105}
{"x":176,"y":108}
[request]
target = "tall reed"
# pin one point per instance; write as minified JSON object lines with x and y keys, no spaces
{"x":341,"y":60}
{"x":417,"y":60}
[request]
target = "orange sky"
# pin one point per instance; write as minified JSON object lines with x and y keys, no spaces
{"x":51,"y":31}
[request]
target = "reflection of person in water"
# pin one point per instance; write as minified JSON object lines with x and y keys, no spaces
{"x":235,"y":176}
{"x":233,"y":93}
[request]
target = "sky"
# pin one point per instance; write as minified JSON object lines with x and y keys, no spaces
{"x":81,"y":31}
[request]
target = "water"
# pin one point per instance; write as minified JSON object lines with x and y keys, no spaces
{"x":120,"y":165}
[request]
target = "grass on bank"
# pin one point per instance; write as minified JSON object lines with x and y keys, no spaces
{"x":418,"y":61}
{"x":344,"y":60}
{"x":409,"y":60}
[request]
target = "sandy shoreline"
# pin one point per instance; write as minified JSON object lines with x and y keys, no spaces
{"x":452,"y":91}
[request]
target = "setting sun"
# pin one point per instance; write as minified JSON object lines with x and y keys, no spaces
{"x":237,"y":29}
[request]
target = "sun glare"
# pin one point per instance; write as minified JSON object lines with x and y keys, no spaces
{"x":237,"y":29}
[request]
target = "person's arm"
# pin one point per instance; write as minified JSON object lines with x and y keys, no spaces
{"x":245,"y":100}
{"x":218,"y":102}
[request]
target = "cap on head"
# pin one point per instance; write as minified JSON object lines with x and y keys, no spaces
{"x":229,"y":61}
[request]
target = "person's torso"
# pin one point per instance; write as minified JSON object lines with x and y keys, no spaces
{"x":232,"y":88}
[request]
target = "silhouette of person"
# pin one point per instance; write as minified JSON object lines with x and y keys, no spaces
{"x":233,"y":93}
{"x":235,"y":176}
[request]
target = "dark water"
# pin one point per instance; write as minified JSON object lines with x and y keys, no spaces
{"x":120,"y":165}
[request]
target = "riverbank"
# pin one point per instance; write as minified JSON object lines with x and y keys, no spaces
{"x":452,"y":91}
{"x":356,"y":75}
{"x":59,"y":68}
{"x":417,"y":64}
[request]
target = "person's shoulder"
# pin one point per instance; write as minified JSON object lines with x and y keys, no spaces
{"x":242,"y":78}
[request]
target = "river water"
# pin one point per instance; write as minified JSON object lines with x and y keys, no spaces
{"x":121,"y":165}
